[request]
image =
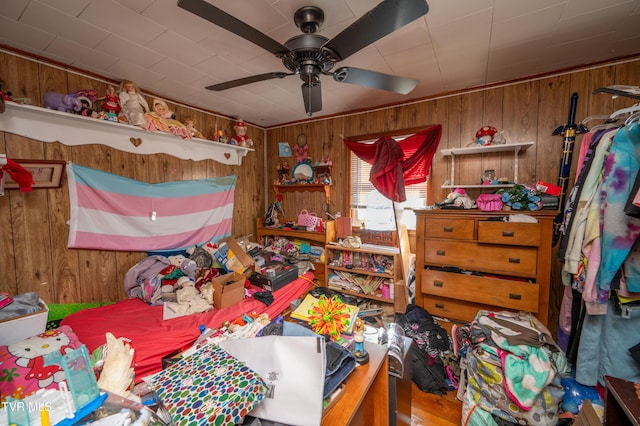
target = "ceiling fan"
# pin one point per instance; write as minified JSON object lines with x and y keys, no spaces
{"x":309,"y":55}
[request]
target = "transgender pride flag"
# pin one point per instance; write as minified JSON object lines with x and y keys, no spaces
{"x":110,"y":212}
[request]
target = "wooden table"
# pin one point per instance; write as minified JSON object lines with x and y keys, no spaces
{"x":365,"y":400}
{"x":622,"y":406}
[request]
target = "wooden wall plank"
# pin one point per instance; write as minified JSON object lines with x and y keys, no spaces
{"x":31,"y":227}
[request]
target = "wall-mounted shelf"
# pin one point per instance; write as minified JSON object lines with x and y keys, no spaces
{"x":453,"y":152}
{"x":312,"y":187}
{"x":69,"y":129}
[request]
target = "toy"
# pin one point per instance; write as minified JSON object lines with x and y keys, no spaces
{"x":162,"y":119}
{"x":484,"y":136}
{"x":133,"y":104}
{"x":62,"y":102}
{"x":190,"y":124}
{"x":111,"y":104}
{"x":87,"y":108}
{"x":189,"y":267}
{"x":362,"y":356}
{"x":330,"y":316}
{"x":499,"y":139}
{"x":458,"y":198}
{"x":241,"y":138}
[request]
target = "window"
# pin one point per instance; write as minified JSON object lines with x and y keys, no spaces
{"x":370,"y":207}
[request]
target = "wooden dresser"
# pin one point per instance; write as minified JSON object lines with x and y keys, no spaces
{"x":506,"y":265}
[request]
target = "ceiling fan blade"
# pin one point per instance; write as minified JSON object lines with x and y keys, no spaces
{"x":224,"y":20}
{"x":375,"y":80}
{"x":312,"y":95}
{"x":246,"y":80}
{"x":380,"y":21}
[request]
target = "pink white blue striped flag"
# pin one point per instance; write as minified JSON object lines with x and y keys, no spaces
{"x":111,"y":212}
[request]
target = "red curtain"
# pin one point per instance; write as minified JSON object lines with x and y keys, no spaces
{"x":394,"y":165}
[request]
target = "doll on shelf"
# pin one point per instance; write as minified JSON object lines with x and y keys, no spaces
{"x":240,"y":138}
{"x":111,"y":104}
{"x":190,"y":123}
{"x":133,"y":104}
{"x":161,"y":119}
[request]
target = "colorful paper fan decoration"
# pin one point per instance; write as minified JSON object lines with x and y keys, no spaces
{"x":329,"y":316}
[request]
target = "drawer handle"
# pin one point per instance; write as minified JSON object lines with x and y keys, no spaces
{"x":515,"y":296}
{"x":438,"y":284}
{"x":448,"y":229}
{"x":440,"y":252}
{"x":440,"y":305}
{"x":508,"y":233}
{"x":514,"y":260}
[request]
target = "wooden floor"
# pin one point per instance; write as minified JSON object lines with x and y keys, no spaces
{"x":428,"y":409}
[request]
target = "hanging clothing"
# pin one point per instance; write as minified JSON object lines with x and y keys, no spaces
{"x":620,"y":231}
{"x":589,"y":184}
{"x":395,"y":165}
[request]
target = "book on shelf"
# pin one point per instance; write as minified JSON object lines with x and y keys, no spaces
{"x":367,"y":284}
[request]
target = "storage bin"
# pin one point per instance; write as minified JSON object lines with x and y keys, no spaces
{"x":18,"y":328}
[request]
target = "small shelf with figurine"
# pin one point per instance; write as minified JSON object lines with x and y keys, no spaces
{"x":516,"y":148}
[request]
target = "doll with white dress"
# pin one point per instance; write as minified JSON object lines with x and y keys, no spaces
{"x":133,"y":104}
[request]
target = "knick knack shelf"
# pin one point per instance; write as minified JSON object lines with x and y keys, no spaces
{"x":69,"y":129}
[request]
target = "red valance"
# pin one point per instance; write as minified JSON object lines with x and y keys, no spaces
{"x":394,"y":165}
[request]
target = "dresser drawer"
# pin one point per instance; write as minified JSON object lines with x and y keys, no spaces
{"x":519,"y":261}
{"x":455,"y":229}
{"x":510,"y":233}
{"x":453,"y":309}
{"x":503,"y":293}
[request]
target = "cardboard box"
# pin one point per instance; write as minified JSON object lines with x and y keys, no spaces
{"x":18,"y":328}
{"x":228,"y":289}
{"x":233,"y":257}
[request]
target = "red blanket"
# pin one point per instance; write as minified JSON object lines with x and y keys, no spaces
{"x":153,"y":338}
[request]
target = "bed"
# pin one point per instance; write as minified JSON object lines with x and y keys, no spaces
{"x":154,"y":338}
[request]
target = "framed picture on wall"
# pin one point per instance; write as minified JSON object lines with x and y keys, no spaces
{"x":46,"y":173}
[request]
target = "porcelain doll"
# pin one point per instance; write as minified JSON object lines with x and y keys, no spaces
{"x":190,"y":123}
{"x":133,"y":104}
{"x":161,"y":119}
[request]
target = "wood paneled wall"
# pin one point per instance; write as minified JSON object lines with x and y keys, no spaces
{"x":33,"y":245}
{"x":524,"y":111}
{"x":34,"y":226}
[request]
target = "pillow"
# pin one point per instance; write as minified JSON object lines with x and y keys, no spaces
{"x":22,"y":369}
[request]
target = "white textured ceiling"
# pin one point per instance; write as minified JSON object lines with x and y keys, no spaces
{"x":459,"y":44}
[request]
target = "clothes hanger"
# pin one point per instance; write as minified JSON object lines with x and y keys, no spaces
{"x":633,"y":118}
{"x":595,"y":117}
{"x":606,"y":125}
{"x":624,"y":111}
{"x":632,"y":92}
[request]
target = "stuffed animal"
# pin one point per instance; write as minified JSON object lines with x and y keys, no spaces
{"x":177,"y":260}
{"x":189,"y":267}
{"x":62,"y":102}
